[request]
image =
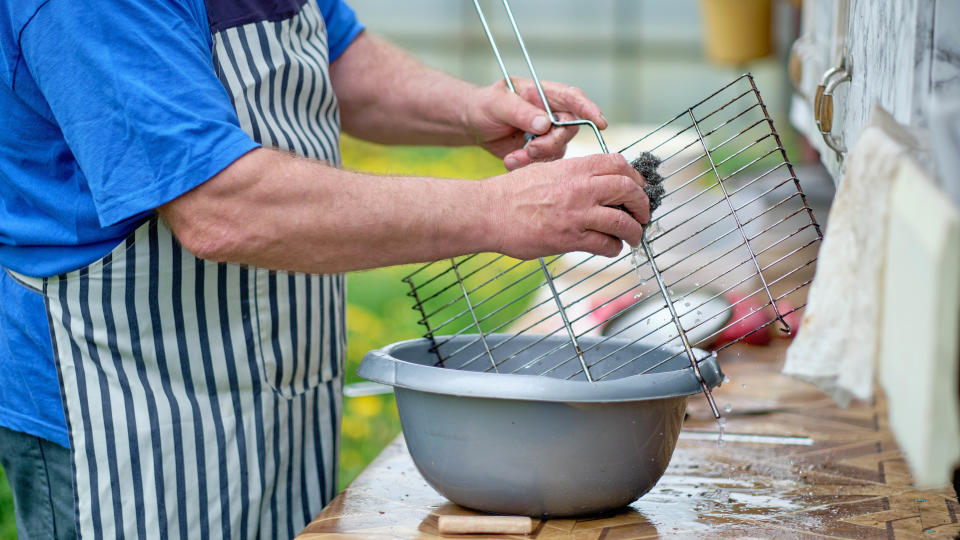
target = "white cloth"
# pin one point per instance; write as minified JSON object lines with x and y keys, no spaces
{"x":837,"y":344}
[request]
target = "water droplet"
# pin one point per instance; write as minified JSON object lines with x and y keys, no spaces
{"x":638,"y":295}
{"x":696,"y":283}
{"x":744,"y":385}
{"x":686,"y":304}
{"x":699,"y":312}
{"x":670,"y":292}
{"x":727,"y":408}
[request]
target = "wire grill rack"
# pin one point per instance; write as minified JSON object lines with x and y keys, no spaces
{"x":733,"y":232}
{"x":734,"y":224}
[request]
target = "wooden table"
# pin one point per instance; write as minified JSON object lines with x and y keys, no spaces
{"x":822,"y":472}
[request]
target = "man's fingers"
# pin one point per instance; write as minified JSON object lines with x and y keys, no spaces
{"x":516,"y":159}
{"x":564,"y":98}
{"x":615,"y":223}
{"x":613,"y":163}
{"x":617,"y":190}
{"x":552,"y":145}
{"x":600,"y":244}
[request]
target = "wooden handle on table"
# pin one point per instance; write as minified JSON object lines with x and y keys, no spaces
{"x":485,"y":524}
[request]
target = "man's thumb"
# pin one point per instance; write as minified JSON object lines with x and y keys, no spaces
{"x":526,"y":116}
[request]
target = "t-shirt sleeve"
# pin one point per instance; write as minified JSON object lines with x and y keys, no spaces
{"x":342,"y":25}
{"x":131,"y":84}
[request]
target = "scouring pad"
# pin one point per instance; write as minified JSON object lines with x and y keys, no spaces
{"x":647,"y":165}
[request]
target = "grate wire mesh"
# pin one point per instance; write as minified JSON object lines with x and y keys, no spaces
{"x":734,"y":228}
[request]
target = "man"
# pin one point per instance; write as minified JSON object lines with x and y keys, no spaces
{"x":190,"y":271}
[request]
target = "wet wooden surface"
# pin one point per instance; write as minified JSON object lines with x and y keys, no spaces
{"x":839,"y":476}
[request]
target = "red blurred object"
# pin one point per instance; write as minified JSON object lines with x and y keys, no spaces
{"x":601,"y":312}
{"x":746,"y":315}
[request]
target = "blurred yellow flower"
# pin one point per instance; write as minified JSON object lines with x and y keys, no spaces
{"x":368,"y":406}
{"x":355,"y":428}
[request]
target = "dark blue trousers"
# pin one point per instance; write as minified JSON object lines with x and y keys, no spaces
{"x":40,"y":477}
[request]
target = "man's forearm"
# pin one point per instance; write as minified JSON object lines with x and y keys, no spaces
{"x":388,"y":96}
{"x":273,"y":210}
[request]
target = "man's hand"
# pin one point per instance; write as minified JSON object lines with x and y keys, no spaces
{"x":499,"y":119}
{"x":569,"y":205}
{"x":387,"y":96}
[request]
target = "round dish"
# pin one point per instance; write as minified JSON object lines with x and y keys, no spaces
{"x":539,"y":445}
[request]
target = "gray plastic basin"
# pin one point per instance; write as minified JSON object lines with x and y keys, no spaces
{"x":539,"y":445}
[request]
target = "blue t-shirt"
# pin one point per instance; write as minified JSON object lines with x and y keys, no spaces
{"x":29,"y":391}
{"x":110,"y":108}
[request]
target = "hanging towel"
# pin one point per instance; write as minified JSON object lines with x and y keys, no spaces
{"x":837,"y":345}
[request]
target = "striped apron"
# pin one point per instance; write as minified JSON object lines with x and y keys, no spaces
{"x":203,"y":399}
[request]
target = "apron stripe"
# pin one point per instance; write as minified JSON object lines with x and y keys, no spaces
{"x":273,"y":292}
{"x":302,"y":33}
{"x":303,"y":468}
{"x":307,"y":100}
{"x":230,"y":363}
{"x":140,"y":457}
{"x":307,"y":331}
{"x":283,"y":470}
{"x":334,"y":410}
{"x":264,"y":72}
{"x":318,"y":448}
{"x":246,"y":71}
{"x":293,"y":309}
{"x":279,"y":71}
{"x":259,"y":65}
{"x":140,"y":361}
{"x":203,"y":330}
{"x":186,"y":369}
{"x":332,"y":315}
{"x":294,"y":107}
{"x":86,"y":475}
{"x":276,"y":468}
{"x":291,"y":448}
{"x":112,"y":443}
{"x":254,"y":370}
{"x":175,"y":498}
{"x":315,"y":51}
{"x":229,"y":79}
{"x":73,"y":440}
